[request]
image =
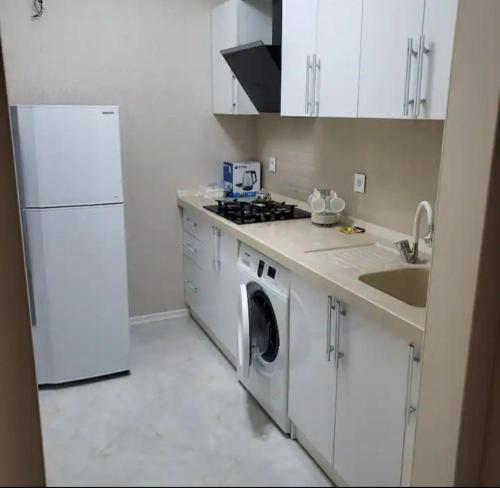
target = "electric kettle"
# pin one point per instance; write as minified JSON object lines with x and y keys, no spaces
{"x":249,"y":179}
{"x":326,"y":206}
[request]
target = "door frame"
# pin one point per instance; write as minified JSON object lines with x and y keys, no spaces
{"x":21,"y":452}
{"x":463,"y":310}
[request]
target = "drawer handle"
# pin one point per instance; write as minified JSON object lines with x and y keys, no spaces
{"x":190,"y":285}
{"x":191,"y":249}
{"x":190,"y":222}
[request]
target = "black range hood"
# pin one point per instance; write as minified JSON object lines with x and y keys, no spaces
{"x":257,"y":67}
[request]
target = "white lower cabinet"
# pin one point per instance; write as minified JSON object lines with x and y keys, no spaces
{"x":372,"y":409}
{"x":353,"y":388}
{"x":222,"y":291}
{"x":210,"y":280}
{"x":312,"y":374}
{"x":192,"y":288}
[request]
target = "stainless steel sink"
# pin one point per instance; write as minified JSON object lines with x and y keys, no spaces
{"x":408,"y":285}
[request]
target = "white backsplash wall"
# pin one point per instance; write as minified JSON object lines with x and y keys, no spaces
{"x":152,"y":58}
{"x":400,"y":157}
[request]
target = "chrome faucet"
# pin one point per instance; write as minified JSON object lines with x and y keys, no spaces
{"x":410,"y":253}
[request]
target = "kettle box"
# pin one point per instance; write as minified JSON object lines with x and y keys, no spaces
{"x":242,"y":179}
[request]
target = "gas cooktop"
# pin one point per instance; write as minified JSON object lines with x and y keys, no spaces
{"x":259,"y":210}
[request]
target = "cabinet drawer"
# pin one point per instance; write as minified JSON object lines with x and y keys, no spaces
{"x":192,"y":280}
{"x":192,"y":224}
{"x":196,"y":250}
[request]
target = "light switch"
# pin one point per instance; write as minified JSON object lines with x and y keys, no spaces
{"x":272,"y":165}
{"x":359,"y":182}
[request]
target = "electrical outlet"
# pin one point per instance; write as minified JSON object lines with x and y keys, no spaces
{"x":272,"y":165}
{"x":359,"y":182}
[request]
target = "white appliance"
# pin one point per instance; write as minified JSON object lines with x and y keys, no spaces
{"x":263,"y":332}
{"x":70,"y":182}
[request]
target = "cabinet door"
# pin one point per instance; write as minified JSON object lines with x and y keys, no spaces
{"x":339,"y":37}
{"x":414,"y":371}
{"x":244,"y":106}
{"x":439,"y":33}
{"x":227,"y":95}
{"x":388,"y":71}
{"x":224,"y":35}
{"x":298,"y":47}
{"x":371,"y":402}
{"x":225,"y":291}
{"x":311,"y":401}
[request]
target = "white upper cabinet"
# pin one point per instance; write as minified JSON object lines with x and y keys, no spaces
{"x":391,"y":32}
{"x":437,"y":52}
{"x":224,"y":35}
{"x":406,"y":54}
{"x":297,"y":50}
{"x":344,"y":58}
{"x":320,"y":57}
{"x":236,"y":22}
{"x":338,"y":52}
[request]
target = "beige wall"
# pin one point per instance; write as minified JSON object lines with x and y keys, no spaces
{"x":463,"y":307}
{"x":401,"y":160}
{"x":152,"y":58}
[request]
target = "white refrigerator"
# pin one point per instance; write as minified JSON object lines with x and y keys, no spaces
{"x":70,"y":184}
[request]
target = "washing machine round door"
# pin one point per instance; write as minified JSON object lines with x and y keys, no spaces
{"x":244,"y":341}
{"x":258,"y":334}
{"x":264,"y":332}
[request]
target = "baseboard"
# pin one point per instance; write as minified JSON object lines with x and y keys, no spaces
{"x":158,"y":317}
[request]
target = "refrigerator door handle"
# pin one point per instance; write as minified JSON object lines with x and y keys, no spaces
{"x":31,"y":298}
{"x":29,"y":274}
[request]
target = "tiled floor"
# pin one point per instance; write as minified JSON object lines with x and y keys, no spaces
{"x":181,"y":418}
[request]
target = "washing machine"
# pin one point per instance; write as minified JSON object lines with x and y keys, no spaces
{"x":263,"y":332}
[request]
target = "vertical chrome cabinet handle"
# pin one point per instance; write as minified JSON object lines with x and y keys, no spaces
{"x":407,"y":77}
{"x":233,"y":94}
{"x":410,"y":52}
{"x":329,"y":347}
{"x":216,"y":236}
{"x":317,"y":85}
{"x":412,"y":359}
{"x":422,"y":49}
{"x":338,"y":312}
{"x":308,"y":100}
{"x":313,"y":95}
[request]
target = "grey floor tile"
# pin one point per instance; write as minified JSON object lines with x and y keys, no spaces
{"x":180,"y":418}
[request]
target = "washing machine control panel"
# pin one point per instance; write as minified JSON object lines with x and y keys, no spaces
{"x":264,"y":270}
{"x":260,"y":269}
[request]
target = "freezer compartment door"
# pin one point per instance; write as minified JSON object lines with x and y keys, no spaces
{"x":67,"y":155}
{"x":77,"y":267}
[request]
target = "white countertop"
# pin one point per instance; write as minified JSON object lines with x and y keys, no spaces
{"x":291,"y":242}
